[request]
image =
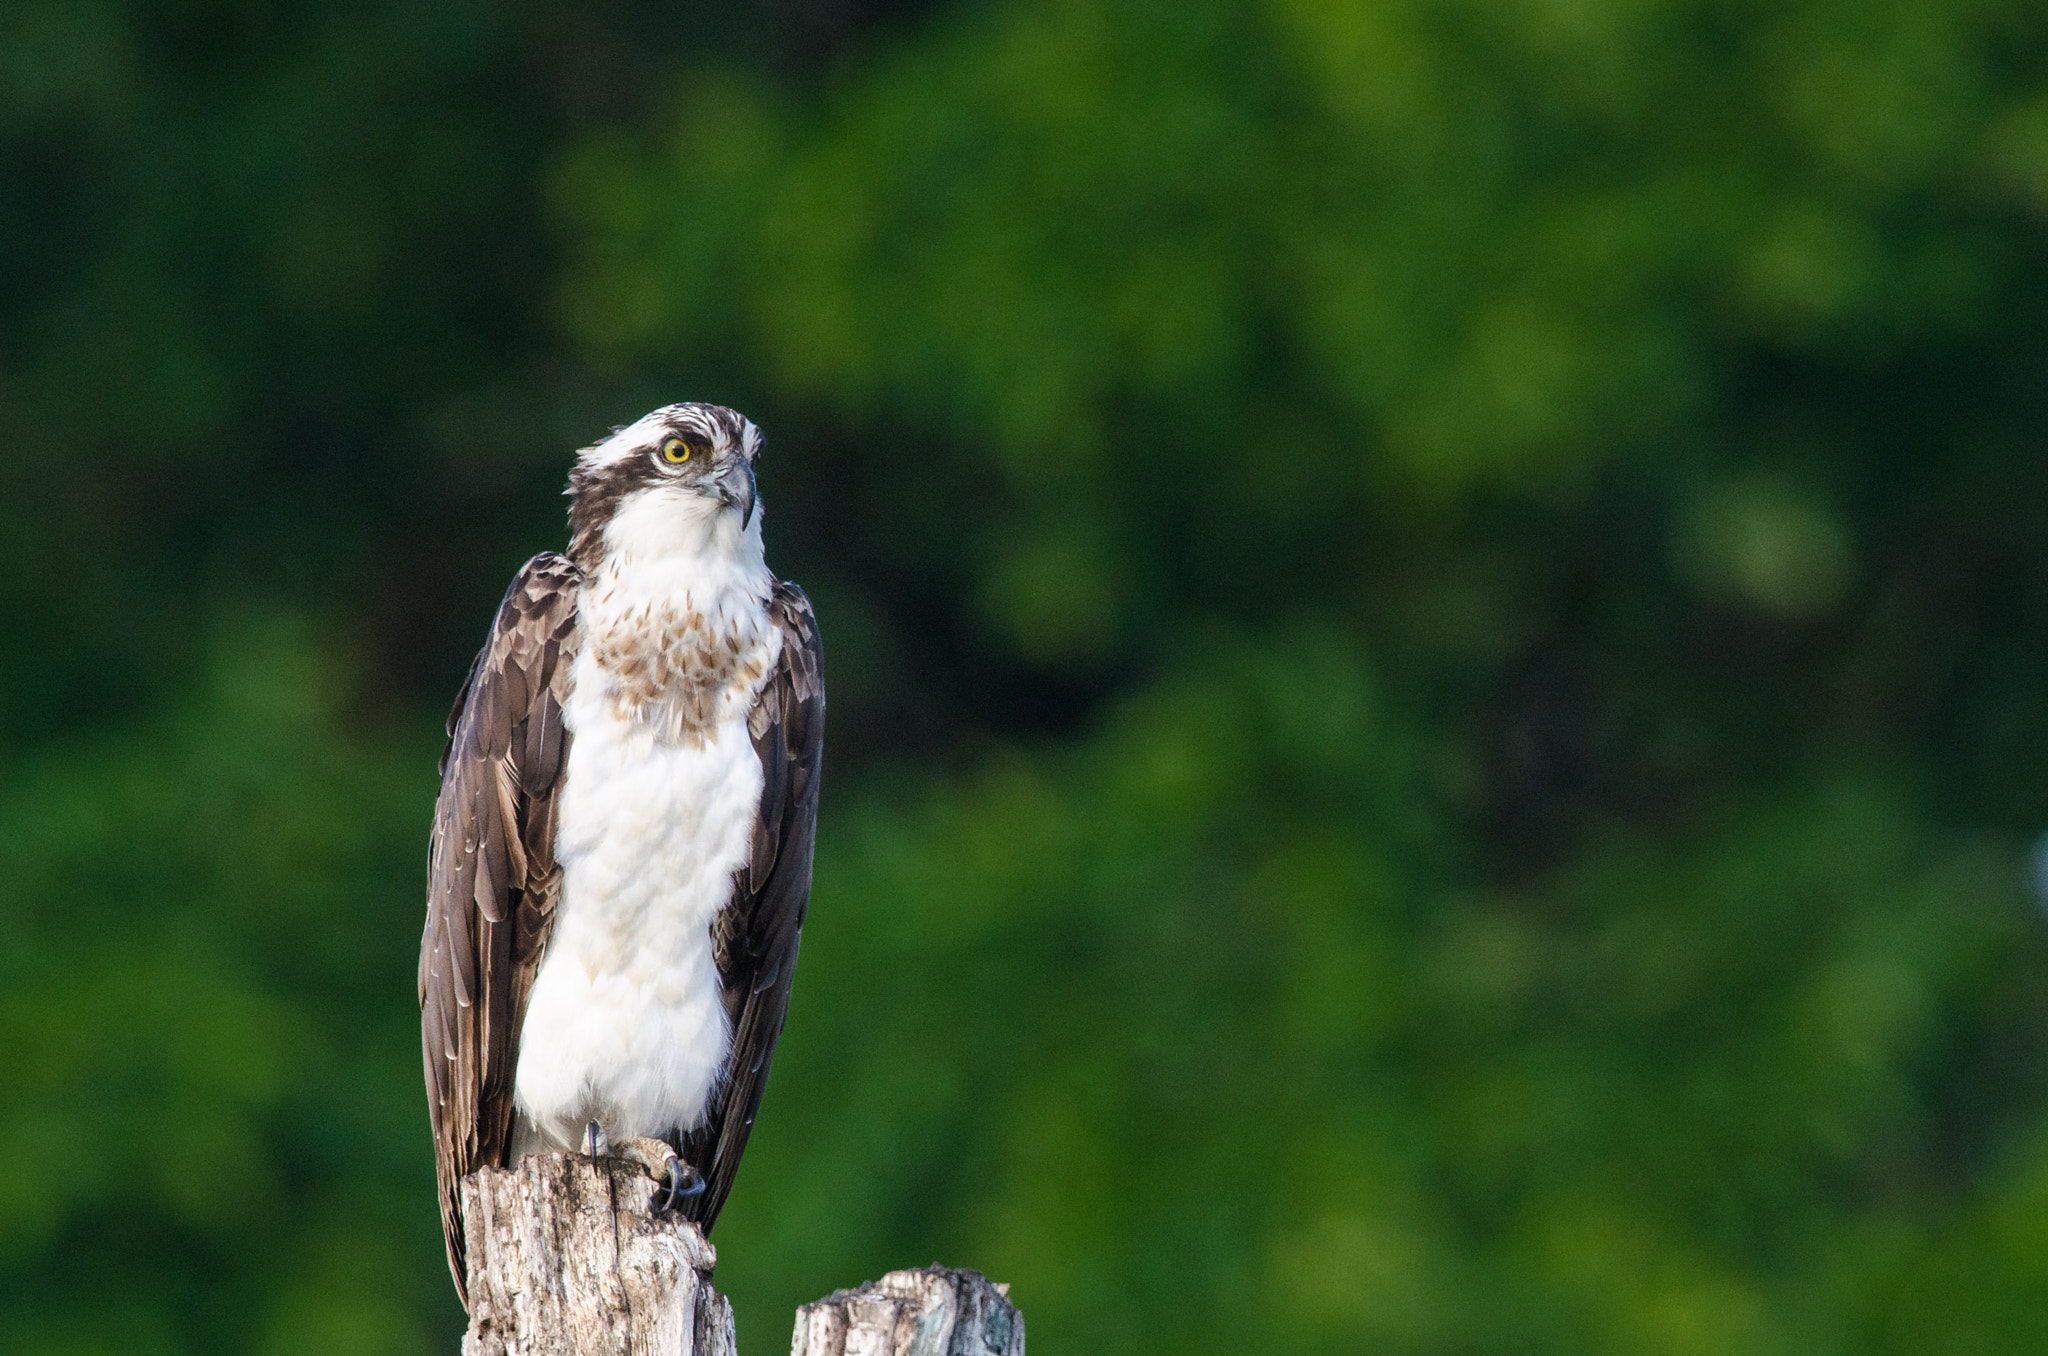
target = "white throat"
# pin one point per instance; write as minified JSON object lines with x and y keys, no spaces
{"x":668,"y":522}
{"x":676,"y":634}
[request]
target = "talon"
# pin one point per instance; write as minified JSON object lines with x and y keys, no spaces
{"x":684,"y":1182}
{"x":594,"y":1142}
{"x":673,"y":1179}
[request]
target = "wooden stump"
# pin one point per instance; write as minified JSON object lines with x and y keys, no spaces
{"x":568,"y":1257}
{"x":932,"y":1312}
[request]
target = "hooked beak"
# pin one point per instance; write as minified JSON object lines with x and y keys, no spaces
{"x":736,"y":489}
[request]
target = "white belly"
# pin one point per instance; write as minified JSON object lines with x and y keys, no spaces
{"x":625,"y":1024}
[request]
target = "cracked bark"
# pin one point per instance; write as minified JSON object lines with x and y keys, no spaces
{"x":568,"y":1257}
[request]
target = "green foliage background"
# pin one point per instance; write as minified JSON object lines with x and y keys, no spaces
{"x":1437,"y":613}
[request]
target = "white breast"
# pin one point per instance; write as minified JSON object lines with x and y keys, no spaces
{"x":626,"y":1023}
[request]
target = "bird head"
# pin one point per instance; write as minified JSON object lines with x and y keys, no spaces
{"x":681,"y":478}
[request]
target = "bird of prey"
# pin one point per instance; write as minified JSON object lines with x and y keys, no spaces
{"x":621,"y":851}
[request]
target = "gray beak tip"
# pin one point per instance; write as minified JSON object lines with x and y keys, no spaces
{"x":736,"y":490}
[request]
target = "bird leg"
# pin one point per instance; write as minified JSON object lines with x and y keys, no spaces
{"x":658,"y":1157}
{"x":595,"y":1144}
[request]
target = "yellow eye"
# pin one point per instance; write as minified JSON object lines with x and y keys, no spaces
{"x":674,"y":450}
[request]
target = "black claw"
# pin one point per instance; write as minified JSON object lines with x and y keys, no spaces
{"x":684,"y":1182}
{"x":593,"y":1140}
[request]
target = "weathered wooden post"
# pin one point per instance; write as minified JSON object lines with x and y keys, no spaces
{"x":935,"y":1311}
{"x":569,"y":1257}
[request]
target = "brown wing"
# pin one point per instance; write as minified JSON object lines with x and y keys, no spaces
{"x":757,"y":933}
{"x":491,"y":877}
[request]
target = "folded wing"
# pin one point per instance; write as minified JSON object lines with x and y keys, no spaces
{"x":492,"y":879}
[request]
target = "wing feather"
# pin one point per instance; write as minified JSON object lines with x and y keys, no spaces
{"x":492,"y":881}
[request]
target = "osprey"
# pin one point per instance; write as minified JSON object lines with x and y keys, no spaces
{"x":621,"y":851}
